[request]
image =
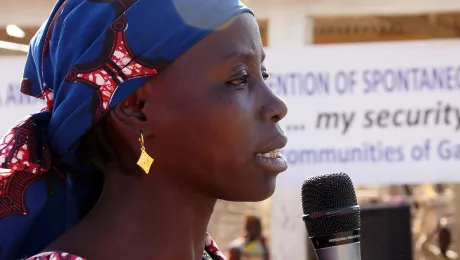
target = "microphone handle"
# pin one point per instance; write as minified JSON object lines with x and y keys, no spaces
{"x":350,"y":251}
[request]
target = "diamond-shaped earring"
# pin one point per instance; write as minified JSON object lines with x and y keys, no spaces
{"x":145,"y":160}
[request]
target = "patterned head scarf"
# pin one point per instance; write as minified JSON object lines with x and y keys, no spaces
{"x":86,"y":58}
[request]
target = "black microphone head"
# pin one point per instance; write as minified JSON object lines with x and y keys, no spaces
{"x":325,"y":193}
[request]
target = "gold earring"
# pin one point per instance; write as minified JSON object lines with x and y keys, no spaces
{"x":145,"y":161}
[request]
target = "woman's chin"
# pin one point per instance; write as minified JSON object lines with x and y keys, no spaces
{"x":257,"y":192}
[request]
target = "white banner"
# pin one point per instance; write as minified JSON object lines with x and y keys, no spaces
{"x":383,"y":113}
{"x":13,"y":104}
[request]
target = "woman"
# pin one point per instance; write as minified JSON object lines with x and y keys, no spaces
{"x":253,"y":245}
{"x":155,"y":109}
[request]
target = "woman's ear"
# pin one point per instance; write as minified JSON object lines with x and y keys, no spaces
{"x":130,"y":113}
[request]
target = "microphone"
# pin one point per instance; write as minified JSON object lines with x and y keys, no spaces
{"x":332,"y":216}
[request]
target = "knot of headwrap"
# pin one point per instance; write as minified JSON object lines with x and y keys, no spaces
{"x":86,"y":58}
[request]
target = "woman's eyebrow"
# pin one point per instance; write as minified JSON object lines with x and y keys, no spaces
{"x":243,"y":55}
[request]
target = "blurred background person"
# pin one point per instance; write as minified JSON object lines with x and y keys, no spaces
{"x":253,"y":245}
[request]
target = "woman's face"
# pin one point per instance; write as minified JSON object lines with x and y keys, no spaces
{"x":210,"y":114}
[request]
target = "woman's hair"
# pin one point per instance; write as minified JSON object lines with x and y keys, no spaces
{"x":252,"y":220}
{"x":95,"y":149}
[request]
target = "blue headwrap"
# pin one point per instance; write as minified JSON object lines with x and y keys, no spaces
{"x":89,"y":56}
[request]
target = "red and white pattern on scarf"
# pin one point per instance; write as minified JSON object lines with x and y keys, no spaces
{"x":213,"y":249}
{"x":54,"y":256}
{"x":15,"y":150}
{"x":121,"y":65}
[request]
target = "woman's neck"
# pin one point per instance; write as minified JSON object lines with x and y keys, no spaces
{"x":133,"y":222}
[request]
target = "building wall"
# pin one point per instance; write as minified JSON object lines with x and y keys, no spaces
{"x":33,"y":12}
{"x":291,"y":24}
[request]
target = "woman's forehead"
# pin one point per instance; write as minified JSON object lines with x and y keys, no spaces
{"x":226,"y":48}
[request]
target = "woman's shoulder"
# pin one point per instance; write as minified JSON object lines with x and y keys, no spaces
{"x":54,"y":255}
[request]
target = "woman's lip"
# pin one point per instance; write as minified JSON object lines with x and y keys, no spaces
{"x":276,"y":165}
{"x":275,"y":144}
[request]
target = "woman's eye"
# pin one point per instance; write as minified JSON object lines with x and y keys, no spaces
{"x":239,"y":81}
{"x":265,"y":74}
{"x":243,"y":78}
